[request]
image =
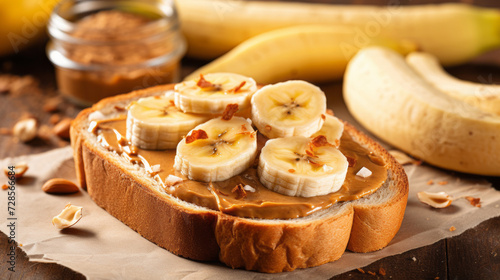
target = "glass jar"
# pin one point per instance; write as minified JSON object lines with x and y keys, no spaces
{"x":102,"y":48}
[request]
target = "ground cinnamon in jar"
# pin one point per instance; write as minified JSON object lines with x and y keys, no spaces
{"x":113,"y":51}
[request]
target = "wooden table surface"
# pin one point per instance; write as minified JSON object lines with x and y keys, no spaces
{"x":474,"y":254}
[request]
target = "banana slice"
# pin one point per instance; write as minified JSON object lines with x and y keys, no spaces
{"x":154,"y":123}
{"x":292,"y":108}
{"x":217,"y":150}
{"x":301,"y":166}
{"x":332,"y":129}
{"x":211,"y":93}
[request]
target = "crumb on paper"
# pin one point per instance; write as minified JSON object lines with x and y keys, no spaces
{"x":4,"y":187}
{"x":452,"y":228}
{"x":474,"y":201}
{"x":435,"y":200}
{"x":430,"y":182}
{"x":442,"y":183}
{"x":69,"y":216}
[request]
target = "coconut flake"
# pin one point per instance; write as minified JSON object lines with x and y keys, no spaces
{"x":364,"y":172}
{"x":249,"y":188}
{"x":172,"y":180}
{"x":155,"y":168}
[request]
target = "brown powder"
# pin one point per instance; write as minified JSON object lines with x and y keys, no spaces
{"x":129,"y":33}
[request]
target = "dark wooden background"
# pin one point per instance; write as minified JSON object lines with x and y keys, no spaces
{"x":474,"y":254}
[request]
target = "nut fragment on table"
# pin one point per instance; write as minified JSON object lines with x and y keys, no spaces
{"x":69,"y":216}
{"x":51,"y":105}
{"x":19,"y":170}
{"x":54,"y":119}
{"x":59,"y":186}
{"x":436,"y":200}
{"x":61,"y":129}
{"x":5,"y":131}
{"x":25,"y":130}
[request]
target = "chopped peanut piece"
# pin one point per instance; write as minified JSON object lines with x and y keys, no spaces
{"x":196,"y":135}
{"x":229,"y":112}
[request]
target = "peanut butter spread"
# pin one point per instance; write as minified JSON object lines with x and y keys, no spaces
{"x":244,"y":195}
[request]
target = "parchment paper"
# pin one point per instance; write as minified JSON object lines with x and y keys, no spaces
{"x":101,"y":247}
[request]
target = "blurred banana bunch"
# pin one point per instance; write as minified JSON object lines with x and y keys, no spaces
{"x":453,"y":32}
{"x":23,"y":23}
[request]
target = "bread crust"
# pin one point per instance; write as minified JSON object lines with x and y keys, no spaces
{"x":203,"y":234}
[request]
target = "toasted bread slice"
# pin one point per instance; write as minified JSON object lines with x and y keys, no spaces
{"x":199,"y":233}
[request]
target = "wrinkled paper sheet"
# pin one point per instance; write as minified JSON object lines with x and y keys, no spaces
{"x":101,"y":247}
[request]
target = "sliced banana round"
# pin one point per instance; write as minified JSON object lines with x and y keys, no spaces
{"x":217,"y":150}
{"x":292,"y":108}
{"x":211,"y":93}
{"x":154,"y":123}
{"x":302,"y":166}
{"x":332,"y":129}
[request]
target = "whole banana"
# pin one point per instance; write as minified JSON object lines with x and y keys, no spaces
{"x":452,"y":32}
{"x":484,"y":97}
{"x":396,"y":104}
{"x":314,"y":53}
